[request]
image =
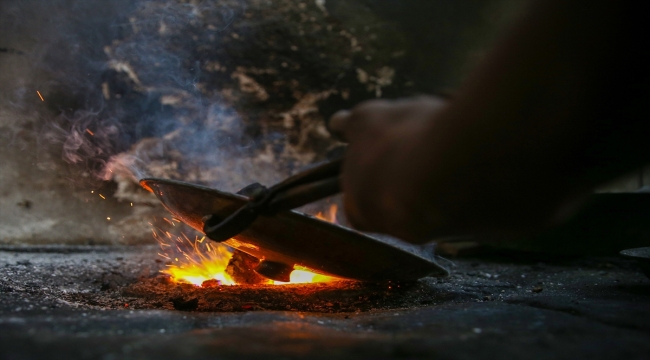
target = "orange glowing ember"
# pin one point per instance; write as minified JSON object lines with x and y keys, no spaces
{"x":199,"y":260}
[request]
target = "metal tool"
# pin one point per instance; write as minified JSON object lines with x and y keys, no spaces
{"x":303,"y":188}
{"x":282,"y":240}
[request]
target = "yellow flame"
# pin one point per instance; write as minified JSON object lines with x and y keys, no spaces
{"x":302,"y":275}
{"x":330,"y":216}
{"x":197,"y":261}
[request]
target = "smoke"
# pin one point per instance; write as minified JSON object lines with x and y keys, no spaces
{"x":221,"y":93}
{"x":116,"y":84}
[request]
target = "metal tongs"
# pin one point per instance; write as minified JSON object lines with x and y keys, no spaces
{"x":303,"y":188}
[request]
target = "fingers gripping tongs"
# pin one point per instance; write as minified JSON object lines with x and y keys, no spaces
{"x":303,"y":188}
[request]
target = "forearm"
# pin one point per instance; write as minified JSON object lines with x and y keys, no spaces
{"x":539,"y":123}
{"x":532,"y":127}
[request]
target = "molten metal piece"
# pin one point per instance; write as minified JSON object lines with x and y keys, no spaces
{"x":298,"y":240}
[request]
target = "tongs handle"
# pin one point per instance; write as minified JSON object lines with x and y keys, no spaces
{"x":303,"y":195}
{"x":310,"y":185}
{"x":298,"y":190}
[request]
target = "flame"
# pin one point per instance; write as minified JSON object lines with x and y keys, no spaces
{"x":196,"y":261}
{"x":330,"y":216}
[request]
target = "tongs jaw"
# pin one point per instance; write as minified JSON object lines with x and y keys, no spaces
{"x":303,"y":188}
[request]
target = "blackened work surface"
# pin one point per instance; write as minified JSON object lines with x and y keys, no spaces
{"x":576,"y":309}
{"x":296,"y":239}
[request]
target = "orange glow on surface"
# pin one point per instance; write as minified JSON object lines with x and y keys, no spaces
{"x":199,"y":260}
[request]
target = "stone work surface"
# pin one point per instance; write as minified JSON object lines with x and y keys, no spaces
{"x":489,"y":308}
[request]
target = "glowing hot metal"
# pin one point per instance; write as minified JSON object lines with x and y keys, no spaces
{"x":288,"y":240}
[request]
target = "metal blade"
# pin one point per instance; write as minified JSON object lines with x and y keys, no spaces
{"x":293,"y":238}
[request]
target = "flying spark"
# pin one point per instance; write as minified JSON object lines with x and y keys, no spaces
{"x":39,"y":95}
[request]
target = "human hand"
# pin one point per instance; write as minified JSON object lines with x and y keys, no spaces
{"x":418,"y":168}
{"x":383,"y":170}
